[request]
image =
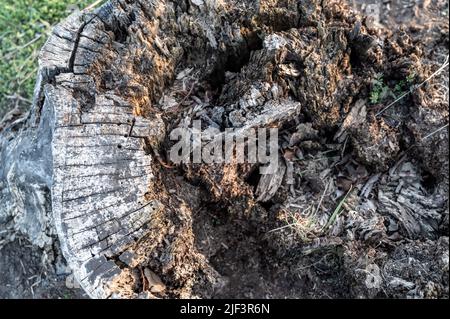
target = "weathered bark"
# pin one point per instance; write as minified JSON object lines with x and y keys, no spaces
{"x":85,"y":165}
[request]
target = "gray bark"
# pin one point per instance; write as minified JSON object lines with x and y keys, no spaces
{"x":80,"y":175}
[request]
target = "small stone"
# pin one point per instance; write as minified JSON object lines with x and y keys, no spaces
{"x":146,"y":295}
{"x":198,"y":3}
{"x":72,"y":283}
{"x":167,"y":102}
{"x":217,"y":114}
{"x":155,"y":283}
{"x":236,"y":118}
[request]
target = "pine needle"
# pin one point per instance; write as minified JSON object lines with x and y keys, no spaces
{"x":413,"y":88}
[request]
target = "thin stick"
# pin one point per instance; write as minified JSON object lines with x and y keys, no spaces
{"x":395,"y":101}
{"x":186,"y":96}
{"x":438,"y":130}
{"x":93,"y":5}
{"x":321,"y":198}
{"x":11,"y":51}
{"x":282,"y":227}
{"x":287,"y":225}
{"x":343,"y":148}
{"x":18,"y":97}
{"x":443,"y":66}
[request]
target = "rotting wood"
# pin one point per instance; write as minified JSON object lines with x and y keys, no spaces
{"x":79,"y":167}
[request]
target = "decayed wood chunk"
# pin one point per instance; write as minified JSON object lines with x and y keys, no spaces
{"x":269,"y":183}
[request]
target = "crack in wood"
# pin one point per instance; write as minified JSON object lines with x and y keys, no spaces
{"x":91,"y":195}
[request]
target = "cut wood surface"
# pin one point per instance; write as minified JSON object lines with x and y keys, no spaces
{"x":100,"y":172}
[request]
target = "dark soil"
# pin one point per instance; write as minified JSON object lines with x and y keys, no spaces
{"x":26,"y":272}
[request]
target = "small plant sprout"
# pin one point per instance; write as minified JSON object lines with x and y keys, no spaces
{"x":337,"y":211}
{"x":379,"y":90}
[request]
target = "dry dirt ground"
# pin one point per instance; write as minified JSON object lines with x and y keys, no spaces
{"x":359,"y":221}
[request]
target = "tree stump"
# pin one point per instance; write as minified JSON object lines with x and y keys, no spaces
{"x":87,"y":166}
